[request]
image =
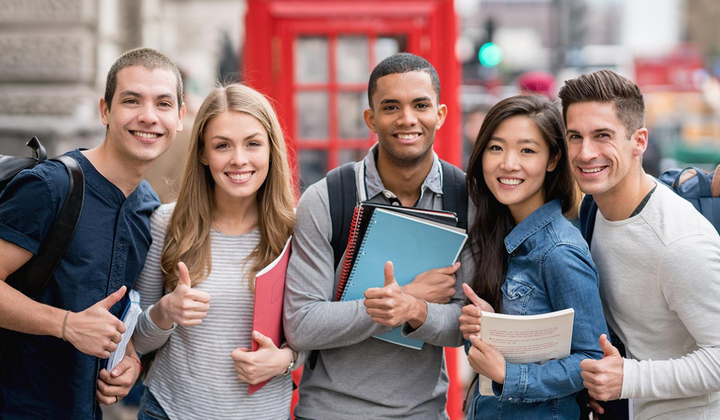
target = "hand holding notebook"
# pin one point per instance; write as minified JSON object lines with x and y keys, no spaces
{"x":390,"y":306}
{"x":414,"y":245}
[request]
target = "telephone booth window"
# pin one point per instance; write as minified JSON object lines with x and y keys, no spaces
{"x":330,"y":95}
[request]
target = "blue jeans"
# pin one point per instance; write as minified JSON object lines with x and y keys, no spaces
{"x":150,"y":408}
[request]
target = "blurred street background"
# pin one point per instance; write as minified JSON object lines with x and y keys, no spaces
{"x":313,"y":57}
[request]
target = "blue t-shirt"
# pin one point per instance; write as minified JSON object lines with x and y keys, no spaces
{"x":43,"y":377}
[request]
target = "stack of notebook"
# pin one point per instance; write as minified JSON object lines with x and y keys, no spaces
{"x":415,"y":240}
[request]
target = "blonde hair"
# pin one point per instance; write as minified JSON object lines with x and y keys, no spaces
{"x":188,"y":235}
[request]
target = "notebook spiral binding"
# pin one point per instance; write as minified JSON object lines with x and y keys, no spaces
{"x":349,"y":253}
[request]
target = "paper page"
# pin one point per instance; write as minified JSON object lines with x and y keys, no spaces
{"x":129,"y":318}
{"x":527,"y":339}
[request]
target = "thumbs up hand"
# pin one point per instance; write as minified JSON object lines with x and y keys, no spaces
{"x":471,"y":314}
{"x":184,"y":306}
{"x":262,"y":364}
{"x":603,"y":378}
{"x":95,"y":331}
{"x":390,"y":306}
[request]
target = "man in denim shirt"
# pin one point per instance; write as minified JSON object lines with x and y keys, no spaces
{"x":657,"y":256}
{"x":53,"y":367}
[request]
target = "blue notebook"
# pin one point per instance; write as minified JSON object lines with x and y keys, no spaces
{"x":414,"y":245}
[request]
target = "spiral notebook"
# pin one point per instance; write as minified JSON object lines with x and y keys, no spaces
{"x":413,"y":244}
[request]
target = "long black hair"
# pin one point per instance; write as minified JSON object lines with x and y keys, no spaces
{"x":494,"y":220}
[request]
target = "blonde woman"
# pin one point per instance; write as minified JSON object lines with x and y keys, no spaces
{"x":233,"y":216}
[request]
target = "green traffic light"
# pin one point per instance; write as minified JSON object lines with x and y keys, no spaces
{"x":490,"y":54}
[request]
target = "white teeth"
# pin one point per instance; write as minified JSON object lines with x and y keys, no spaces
{"x":240,"y":177}
{"x":406,"y":136}
{"x":507,"y":181}
{"x":145,"y":135}
{"x":592,"y":171}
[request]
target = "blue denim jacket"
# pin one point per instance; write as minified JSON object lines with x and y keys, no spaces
{"x":549,"y":269}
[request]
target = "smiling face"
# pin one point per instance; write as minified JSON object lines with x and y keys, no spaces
{"x":515,"y":161}
{"x":143,"y":118}
{"x":603,"y":154}
{"x":405,"y":115}
{"x":237,"y":153}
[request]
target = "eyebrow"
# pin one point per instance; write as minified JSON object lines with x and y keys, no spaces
{"x":395,"y":101}
{"x":250,"y":137}
{"x":596,"y":131}
{"x":521,"y":141}
{"x":532,"y":141}
{"x":138,"y":95}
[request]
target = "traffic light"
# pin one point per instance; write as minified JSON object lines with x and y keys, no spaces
{"x":490,"y":54}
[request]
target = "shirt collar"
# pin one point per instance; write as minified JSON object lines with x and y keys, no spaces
{"x":533,"y":223}
{"x":374,"y":184}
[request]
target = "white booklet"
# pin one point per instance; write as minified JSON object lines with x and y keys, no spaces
{"x":129,"y":318}
{"x":527,"y":338}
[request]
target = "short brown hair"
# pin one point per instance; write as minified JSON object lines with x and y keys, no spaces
{"x":148,"y":58}
{"x":607,"y":86}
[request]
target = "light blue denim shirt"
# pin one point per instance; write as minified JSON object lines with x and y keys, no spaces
{"x":549,"y":269}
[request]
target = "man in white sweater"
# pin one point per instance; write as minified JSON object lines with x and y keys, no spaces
{"x":658,"y":258}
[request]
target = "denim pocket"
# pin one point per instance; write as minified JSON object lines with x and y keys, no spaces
{"x":150,"y":408}
{"x":516,"y":296}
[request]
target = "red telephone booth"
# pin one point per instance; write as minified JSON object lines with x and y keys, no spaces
{"x":314,"y":58}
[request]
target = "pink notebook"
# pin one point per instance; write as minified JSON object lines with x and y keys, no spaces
{"x":267,"y":313}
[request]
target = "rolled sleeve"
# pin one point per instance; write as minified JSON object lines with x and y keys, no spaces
{"x":28,"y":206}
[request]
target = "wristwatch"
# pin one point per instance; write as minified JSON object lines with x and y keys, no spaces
{"x":293,"y":359}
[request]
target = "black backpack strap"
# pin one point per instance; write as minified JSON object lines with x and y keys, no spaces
{"x":588,"y":213}
{"x":60,"y":234}
{"x":342,"y":196}
{"x":455,"y":197}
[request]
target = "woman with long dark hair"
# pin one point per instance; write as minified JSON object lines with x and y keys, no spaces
{"x":530,"y":259}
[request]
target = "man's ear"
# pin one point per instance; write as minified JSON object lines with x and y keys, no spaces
{"x":640,"y":141}
{"x":181,"y":117}
{"x":104,"y":111}
{"x":442,"y":114}
{"x":554,"y":160}
{"x":369,"y":117}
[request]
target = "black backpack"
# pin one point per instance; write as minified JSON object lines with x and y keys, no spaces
{"x":32,"y":278}
{"x":342,"y":196}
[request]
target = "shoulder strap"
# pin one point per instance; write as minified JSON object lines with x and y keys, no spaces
{"x":60,"y":234}
{"x":455,"y":197}
{"x":588,"y":213}
{"x":342,"y":196}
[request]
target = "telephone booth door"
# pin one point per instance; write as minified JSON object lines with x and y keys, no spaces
{"x":314,"y":59}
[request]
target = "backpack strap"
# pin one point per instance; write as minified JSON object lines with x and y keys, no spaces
{"x":41,"y":267}
{"x":588,"y":213}
{"x":342,"y":196}
{"x":455,"y":197}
